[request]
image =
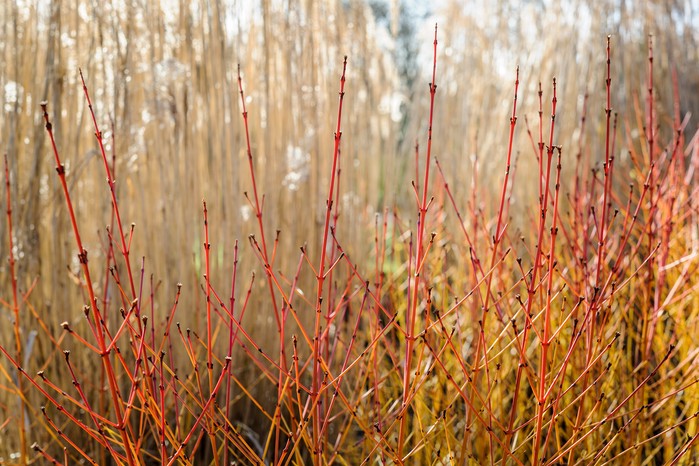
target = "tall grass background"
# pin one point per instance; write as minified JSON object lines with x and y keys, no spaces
{"x":163,"y":79}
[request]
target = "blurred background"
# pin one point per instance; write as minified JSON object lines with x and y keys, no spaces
{"x":163,"y":79}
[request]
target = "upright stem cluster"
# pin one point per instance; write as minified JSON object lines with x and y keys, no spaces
{"x":417,"y":283}
{"x":318,"y":375}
